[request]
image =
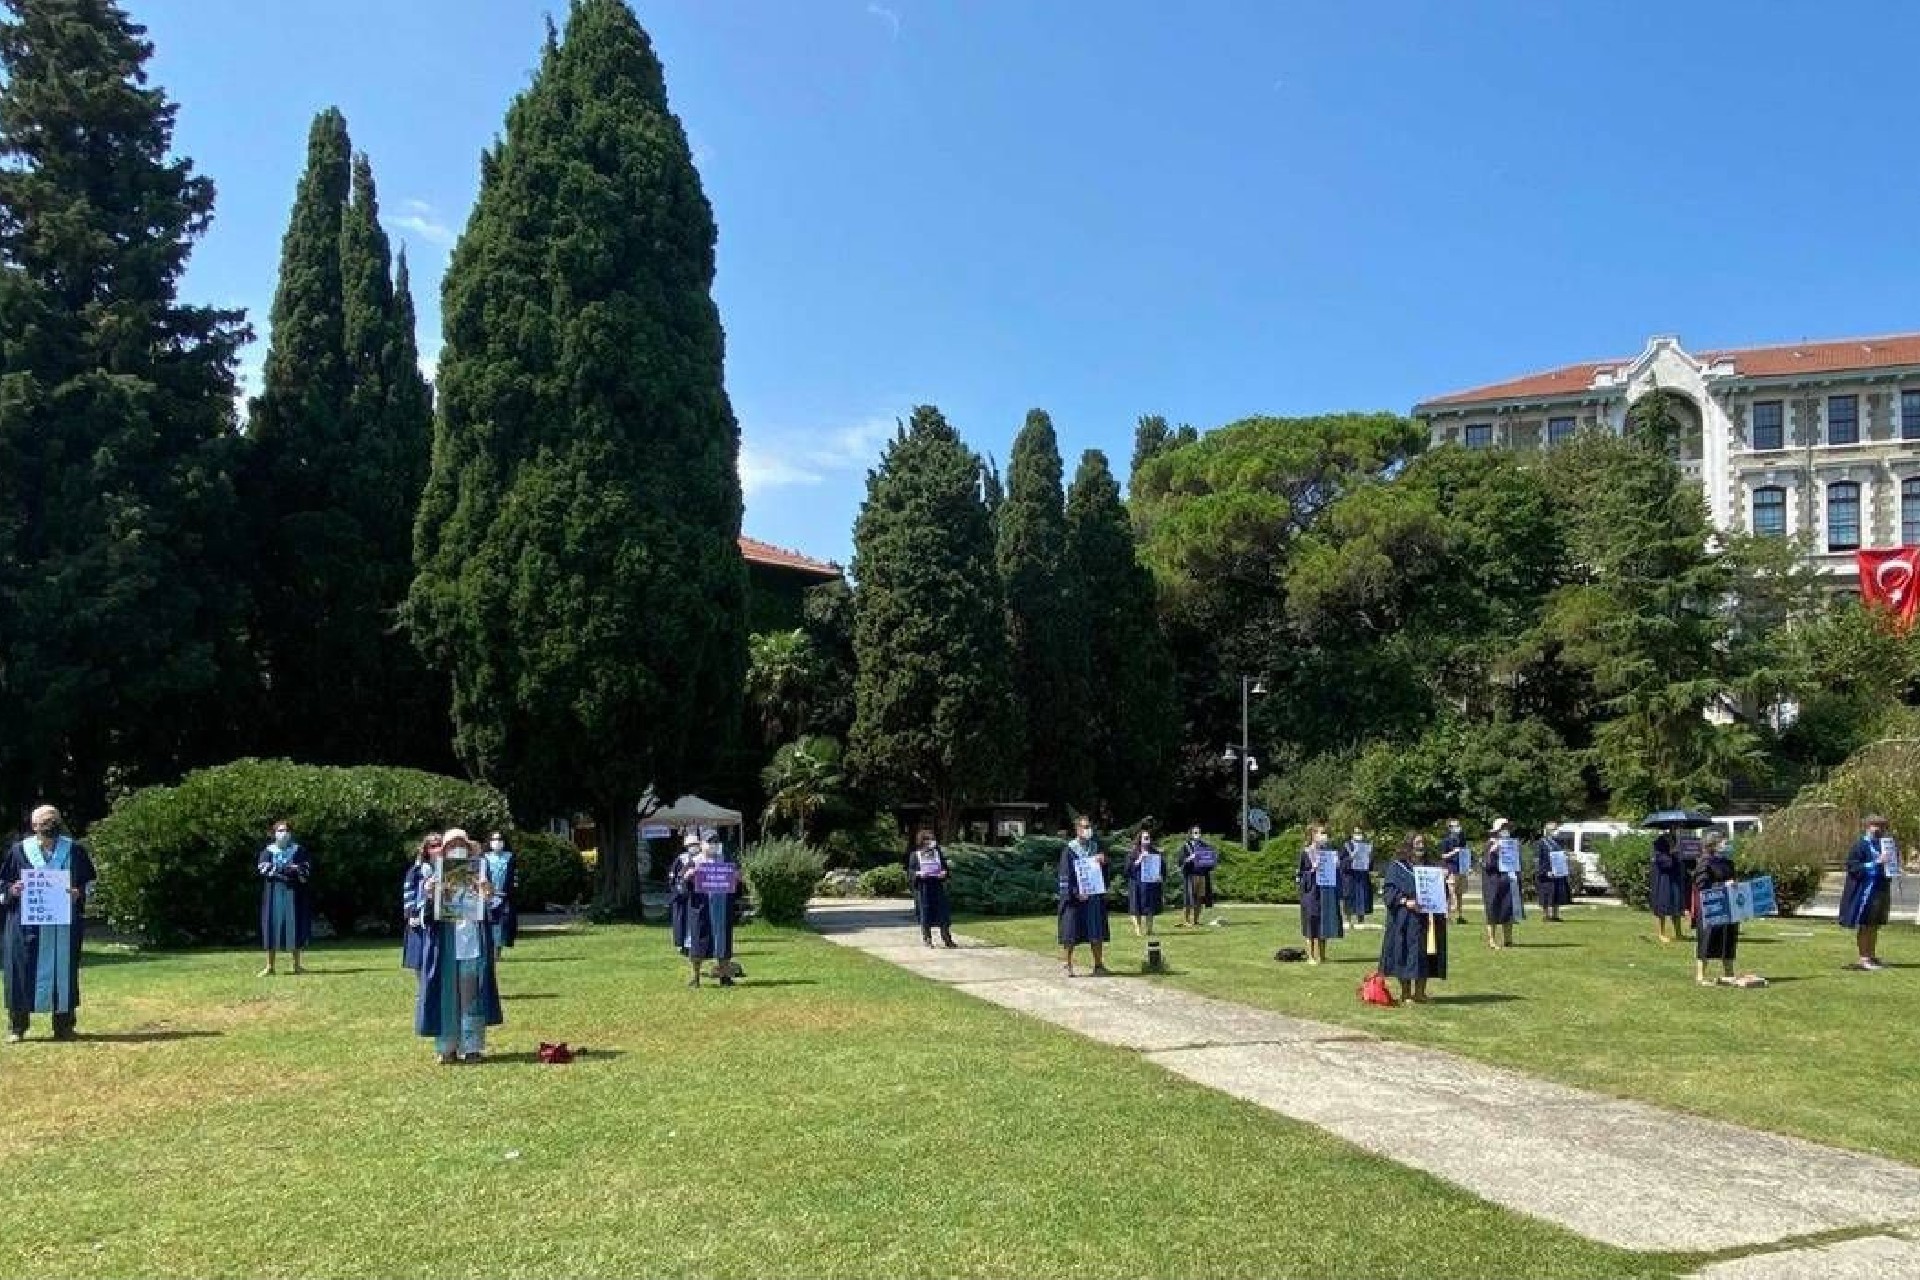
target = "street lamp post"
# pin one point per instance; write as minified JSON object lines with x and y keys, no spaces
{"x":1249,"y":686}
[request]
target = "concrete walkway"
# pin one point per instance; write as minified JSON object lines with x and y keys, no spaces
{"x":1623,"y":1173}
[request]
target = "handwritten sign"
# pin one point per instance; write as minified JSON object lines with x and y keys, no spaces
{"x":1761,"y":897}
{"x":1890,"y":855}
{"x":44,"y":896}
{"x":1430,"y":889}
{"x":715,"y":877}
{"x":1361,"y":854}
{"x":1148,"y":868}
{"x":1690,"y":848}
{"x":1507,"y":851}
{"x":1326,"y":871}
{"x":1557,"y":864}
{"x":1090,"y":877}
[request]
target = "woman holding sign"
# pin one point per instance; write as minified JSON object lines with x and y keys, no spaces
{"x":1146,"y":870}
{"x":1082,"y":875}
{"x":1197,"y":861}
{"x":459,"y":997}
{"x":712,"y":912}
{"x":1500,"y":883}
{"x":1716,"y":941}
{"x":1415,"y":946}
{"x":286,"y":910}
{"x":1552,"y":878}
{"x":1356,"y":880}
{"x":1868,"y":895}
{"x":1319,"y":879}
{"x":927,"y":870}
{"x":46,"y":877}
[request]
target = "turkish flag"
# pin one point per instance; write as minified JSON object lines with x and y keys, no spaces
{"x":1891,"y":579}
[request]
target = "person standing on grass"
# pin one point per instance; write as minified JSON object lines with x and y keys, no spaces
{"x":1499,"y":890}
{"x":42,"y":961}
{"x":503,"y":873}
{"x":414,"y":944}
{"x":459,"y":993}
{"x":927,"y":872}
{"x":286,"y":909}
{"x":1867,"y":896}
{"x":1720,"y":941}
{"x":1668,"y":889}
{"x":1145,"y":897}
{"x":1319,"y":903}
{"x":1196,"y":881}
{"x":1456,"y":852}
{"x":1083,"y":916}
{"x":711,"y":917}
{"x":1356,"y":880}
{"x":680,"y":896}
{"x":1414,"y":949}
{"x":1552,"y":891}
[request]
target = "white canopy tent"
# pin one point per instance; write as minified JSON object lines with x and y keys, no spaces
{"x":692,"y":813}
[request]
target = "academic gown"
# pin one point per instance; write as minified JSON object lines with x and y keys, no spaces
{"x":931,"y":906}
{"x":1356,"y":885}
{"x":1549,"y":889}
{"x":1456,"y":855}
{"x":1867,"y":897}
{"x":680,"y":903}
{"x":413,"y":944}
{"x":1403,"y":950}
{"x":1196,"y":883}
{"x":438,"y":960}
{"x":1722,"y":940}
{"x":1499,"y":892}
{"x":42,"y":962}
{"x":1319,"y":905}
{"x":286,"y":901}
{"x":711,"y":919}
{"x":1144,"y":899}
{"x":1668,"y":889}
{"x":503,"y":869}
{"x":1081,"y":919}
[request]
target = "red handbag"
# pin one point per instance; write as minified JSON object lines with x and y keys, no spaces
{"x":554,"y":1053}
{"x":1374,"y":990}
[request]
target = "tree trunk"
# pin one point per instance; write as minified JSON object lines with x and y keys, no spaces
{"x":617,"y":824}
{"x":946,"y":815}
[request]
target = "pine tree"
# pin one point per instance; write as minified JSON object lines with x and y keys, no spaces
{"x":1049,"y":648}
{"x":934,"y":715}
{"x":579,"y":574}
{"x":122,"y":595}
{"x":1132,"y":721}
{"x":1151,"y":438}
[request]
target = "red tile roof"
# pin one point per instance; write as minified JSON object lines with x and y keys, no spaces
{"x":765,"y":553}
{"x":1842,"y":355}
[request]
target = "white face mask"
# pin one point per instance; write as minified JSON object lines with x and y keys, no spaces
{"x":497,"y":844}
{"x":283,"y":838}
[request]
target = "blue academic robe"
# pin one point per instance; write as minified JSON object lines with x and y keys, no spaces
{"x":1082,"y":919}
{"x":680,"y":902}
{"x":1668,"y":888}
{"x":503,"y":869}
{"x":437,"y":966}
{"x":286,"y":902}
{"x":1550,"y":890}
{"x":1403,"y":948}
{"x":413,"y":944}
{"x":1456,"y":853}
{"x":1720,"y":941}
{"x":1319,"y":905}
{"x":1867,"y":897}
{"x":931,"y":905}
{"x":42,"y":962}
{"x":1196,"y":883}
{"x":1356,"y":886}
{"x":711,"y":919}
{"x":1499,"y":892}
{"x":1145,"y":899}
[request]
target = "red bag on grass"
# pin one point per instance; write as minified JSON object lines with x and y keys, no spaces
{"x":1374,"y":990}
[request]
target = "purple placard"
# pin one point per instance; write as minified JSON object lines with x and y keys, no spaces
{"x":715,"y":877}
{"x":1206,"y":858}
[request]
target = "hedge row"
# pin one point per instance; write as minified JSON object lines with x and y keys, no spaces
{"x":1627,"y":863}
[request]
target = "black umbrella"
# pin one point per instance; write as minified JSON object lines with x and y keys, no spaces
{"x":1677,"y":820}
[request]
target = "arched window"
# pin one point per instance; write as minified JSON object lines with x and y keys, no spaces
{"x":1910,"y":512}
{"x":1770,"y":511}
{"x":1843,"y":516}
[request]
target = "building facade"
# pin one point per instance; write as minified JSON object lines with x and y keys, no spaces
{"x":1812,"y":436}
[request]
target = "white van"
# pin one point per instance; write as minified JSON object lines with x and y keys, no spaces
{"x":1583,"y":842}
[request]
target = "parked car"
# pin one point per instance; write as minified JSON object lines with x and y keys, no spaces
{"x":1583,"y":842}
{"x":1737,"y":825}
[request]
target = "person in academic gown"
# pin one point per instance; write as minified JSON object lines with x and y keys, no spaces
{"x":1867,"y":897}
{"x":459,"y":992}
{"x":711,"y":918}
{"x":1668,"y":889}
{"x":1145,"y":898}
{"x":42,"y":962}
{"x":413,"y":943}
{"x":680,"y":894}
{"x":1551,"y":891}
{"x":1356,"y":883}
{"x":286,"y":902}
{"x":1414,"y":949}
{"x":1319,"y":904}
{"x":927,"y":873}
{"x":1083,"y":917}
{"x":503,"y":873}
{"x":1456,"y":854}
{"x":1196,"y":881}
{"x":1719,"y":942}
{"x":1499,"y":891}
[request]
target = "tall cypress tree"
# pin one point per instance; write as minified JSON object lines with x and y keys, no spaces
{"x":1048,"y":647}
{"x":121,"y":601}
{"x":1133,"y":724}
{"x":579,"y":574}
{"x":934,"y":715}
{"x":338,"y":440}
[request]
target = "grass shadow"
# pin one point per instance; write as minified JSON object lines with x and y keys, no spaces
{"x":772,"y":982}
{"x":155,"y":1036}
{"x":510,"y":996}
{"x":1547,"y":946}
{"x":588,"y":1055}
{"x":1480,"y":997}
{"x":520,"y":960}
{"x":332,"y":972}
{"x":90,"y":958}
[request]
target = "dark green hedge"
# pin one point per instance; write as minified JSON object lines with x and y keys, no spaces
{"x":550,"y":871}
{"x":1628,"y":866}
{"x":177,"y":863}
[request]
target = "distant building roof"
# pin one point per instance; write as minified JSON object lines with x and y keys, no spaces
{"x":765,"y":553}
{"x":1843,"y":355}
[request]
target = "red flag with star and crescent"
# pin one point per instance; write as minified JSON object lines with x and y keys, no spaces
{"x":1891,"y":580}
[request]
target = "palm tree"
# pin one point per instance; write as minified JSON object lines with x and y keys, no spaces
{"x":806,"y":778}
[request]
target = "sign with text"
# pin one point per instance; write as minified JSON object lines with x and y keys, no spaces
{"x":715,"y":877}
{"x":1326,"y":869}
{"x":45,"y":896}
{"x":1205,"y":857}
{"x":1737,"y":901}
{"x":1430,"y":889}
{"x":1149,"y":868}
{"x":1557,"y":863}
{"x":1507,"y":856}
{"x":1361,"y":853}
{"x":1090,"y":877}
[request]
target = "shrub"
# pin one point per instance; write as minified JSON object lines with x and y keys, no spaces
{"x":177,"y":863}
{"x":550,"y":871}
{"x":1269,"y":875}
{"x":888,"y":880}
{"x":838,"y":882}
{"x":1627,"y":863}
{"x":1796,"y":876}
{"x":781,"y":875}
{"x":1018,"y":880}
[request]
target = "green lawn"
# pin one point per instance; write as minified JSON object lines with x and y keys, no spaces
{"x":1823,"y":1052}
{"x":833,"y":1116}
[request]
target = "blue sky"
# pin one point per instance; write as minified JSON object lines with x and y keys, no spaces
{"x":1115,"y":207}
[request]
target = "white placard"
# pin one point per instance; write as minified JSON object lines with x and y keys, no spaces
{"x":1507,"y":850}
{"x":930,"y":867}
{"x":45,"y":897}
{"x":1362,"y":855}
{"x":1430,"y":889}
{"x":1090,"y":877}
{"x":1326,"y":872}
{"x":1557,"y":864}
{"x":1890,"y":855}
{"x":1149,"y":868}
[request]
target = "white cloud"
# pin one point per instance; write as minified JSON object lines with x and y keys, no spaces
{"x":420,"y":218}
{"x":789,"y":459}
{"x":887,"y":16}
{"x":762,"y":470}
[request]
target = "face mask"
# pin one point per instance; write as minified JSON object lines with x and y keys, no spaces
{"x":497,"y":845}
{"x":282,"y":837}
